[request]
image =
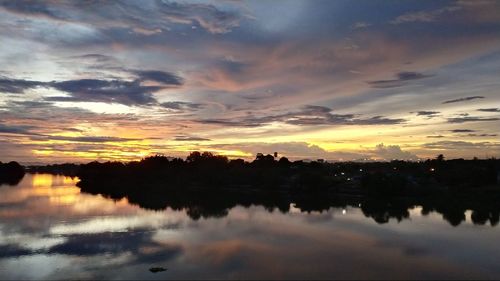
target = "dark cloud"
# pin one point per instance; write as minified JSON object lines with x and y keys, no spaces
{"x":470,"y":119}
{"x":489,"y":109}
{"x":9,"y":251}
{"x":400,"y":80}
{"x":114,"y":91}
{"x":462,"y":131}
{"x":62,"y":99}
{"x":17,"y":86}
{"x":481,"y":135}
{"x":159,"y":76}
{"x":31,"y":104}
{"x":309,"y":115}
{"x":180,"y":105}
{"x":15,"y":129}
{"x":435,"y":137}
{"x":95,"y":90}
{"x":427,"y":113}
{"x":93,"y":139}
{"x":376,"y":120}
{"x":230,"y":123}
{"x":190,"y":138}
{"x":463,"y":99}
{"x":73,"y":130}
{"x":103,"y":61}
{"x":461,"y":145}
{"x":95,"y":57}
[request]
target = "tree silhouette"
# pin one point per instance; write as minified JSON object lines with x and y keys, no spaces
{"x":11,"y":173}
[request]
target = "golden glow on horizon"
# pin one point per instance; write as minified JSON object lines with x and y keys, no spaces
{"x":132,"y":144}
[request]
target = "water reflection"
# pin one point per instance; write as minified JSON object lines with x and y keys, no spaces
{"x":50,"y":230}
{"x":203,"y":203}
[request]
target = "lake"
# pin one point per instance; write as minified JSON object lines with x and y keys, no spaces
{"x":51,"y":230}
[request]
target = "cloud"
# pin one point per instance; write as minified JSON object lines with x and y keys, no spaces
{"x":463,"y":99}
{"x":308,"y":116}
{"x":190,"y":138}
{"x":390,"y":152}
{"x":424,"y":16}
{"x":291,"y":150}
{"x":15,"y":129}
{"x":30,"y":131}
{"x":436,"y":137}
{"x":147,"y":32}
{"x":30,"y":8}
{"x":163,"y":77}
{"x":444,"y":145}
{"x":30,"y":104}
{"x":142,"y":19}
{"x":108,"y":91}
{"x":180,"y":105}
{"x":402,"y":77}
{"x":481,"y":135}
{"x":427,"y":113}
{"x":489,"y":109}
{"x":360,"y":25}
{"x":14,"y":251}
{"x":91,"y":139}
{"x":462,"y":131}
{"x":206,"y":15}
{"x":96,"y":58}
{"x":17,"y":86}
{"x":125,"y":92}
{"x":471,"y":119}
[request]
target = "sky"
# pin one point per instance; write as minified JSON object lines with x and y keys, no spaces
{"x":336,"y":80}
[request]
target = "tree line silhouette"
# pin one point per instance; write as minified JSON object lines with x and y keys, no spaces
{"x":11,"y":173}
{"x":267,"y":172}
{"x":209,"y":171}
{"x":206,"y":170}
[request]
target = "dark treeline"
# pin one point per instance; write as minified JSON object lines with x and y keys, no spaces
{"x":208,"y":171}
{"x":11,"y":173}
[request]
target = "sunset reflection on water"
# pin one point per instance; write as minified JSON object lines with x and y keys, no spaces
{"x":50,"y":230}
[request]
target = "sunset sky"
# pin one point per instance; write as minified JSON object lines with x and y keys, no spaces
{"x":339,"y":80}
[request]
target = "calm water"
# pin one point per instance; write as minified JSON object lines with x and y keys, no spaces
{"x":49,"y":230}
